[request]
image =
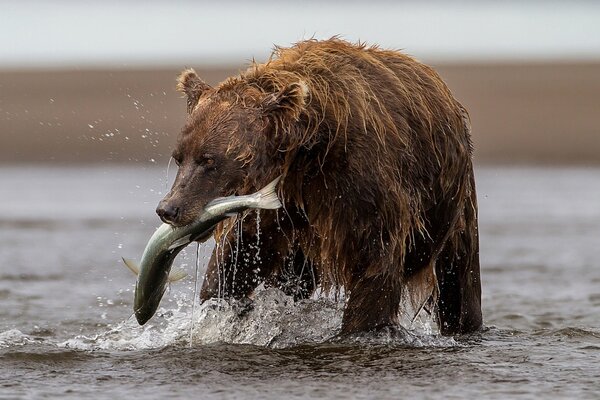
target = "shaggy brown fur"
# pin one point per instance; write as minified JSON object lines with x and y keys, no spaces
{"x":378,"y":185}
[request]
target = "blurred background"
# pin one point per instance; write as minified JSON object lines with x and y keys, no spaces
{"x":93,"y":82}
{"x":88,"y":118}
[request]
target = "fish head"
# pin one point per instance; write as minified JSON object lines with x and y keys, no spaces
{"x":226,"y":146}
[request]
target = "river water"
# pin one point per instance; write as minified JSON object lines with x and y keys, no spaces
{"x":67,"y":331}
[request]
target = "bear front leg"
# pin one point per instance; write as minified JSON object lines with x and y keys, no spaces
{"x":285,"y":269}
{"x":373,"y":304}
{"x":296,"y":275}
{"x":239,"y":264}
{"x":225,"y":279}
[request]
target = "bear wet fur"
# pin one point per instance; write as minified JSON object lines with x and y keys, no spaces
{"x":377,"y":182}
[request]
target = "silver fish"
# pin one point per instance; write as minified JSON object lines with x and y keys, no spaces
{"x":167,"y":241}
{"x":174,"y":276}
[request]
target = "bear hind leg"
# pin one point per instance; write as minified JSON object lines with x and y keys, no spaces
{"x":458,"y":277}
{"x":373,"y":304}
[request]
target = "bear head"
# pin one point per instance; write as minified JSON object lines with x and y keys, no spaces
{"x":232,"y":142}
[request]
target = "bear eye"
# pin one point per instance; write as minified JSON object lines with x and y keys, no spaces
{"x":207,"y":160}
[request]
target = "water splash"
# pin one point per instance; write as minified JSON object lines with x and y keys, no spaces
{"x":272,"y":319}
{"x":14,"y":337}
{"x":238,"y":244}
{"x":195,"y":294}
{"x":257,"y":255}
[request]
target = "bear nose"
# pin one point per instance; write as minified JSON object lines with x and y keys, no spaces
{"x":167,"y":212}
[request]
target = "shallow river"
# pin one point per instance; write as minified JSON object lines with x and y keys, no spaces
{"x":66,"y":329}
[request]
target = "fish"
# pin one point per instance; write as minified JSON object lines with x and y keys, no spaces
{"x":167,"y":241}
{"x":174,"y":276}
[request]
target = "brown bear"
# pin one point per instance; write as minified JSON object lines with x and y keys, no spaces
{"x":377,"y":183}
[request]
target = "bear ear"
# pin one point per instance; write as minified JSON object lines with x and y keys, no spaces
{"x":288,"y":102}
{"x":189,"y":83}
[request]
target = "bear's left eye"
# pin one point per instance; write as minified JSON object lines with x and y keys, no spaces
{"x":207,"y":161}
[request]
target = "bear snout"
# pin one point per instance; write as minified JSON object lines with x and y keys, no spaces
{"x":168,"y":212}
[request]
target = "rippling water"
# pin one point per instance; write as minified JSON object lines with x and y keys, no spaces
{"x":66,"y":328}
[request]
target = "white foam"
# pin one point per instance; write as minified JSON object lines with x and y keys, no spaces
{"x":272,"y":319}
{"x":14,"y":337}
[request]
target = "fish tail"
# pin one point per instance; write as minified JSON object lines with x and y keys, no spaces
{"x":267,"y":196}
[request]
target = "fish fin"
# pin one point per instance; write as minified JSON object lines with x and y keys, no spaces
{"x":133,"y":267}
{"x":183,"y":241}
{"x":267,"y":196}
{"x":176,"y":274}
